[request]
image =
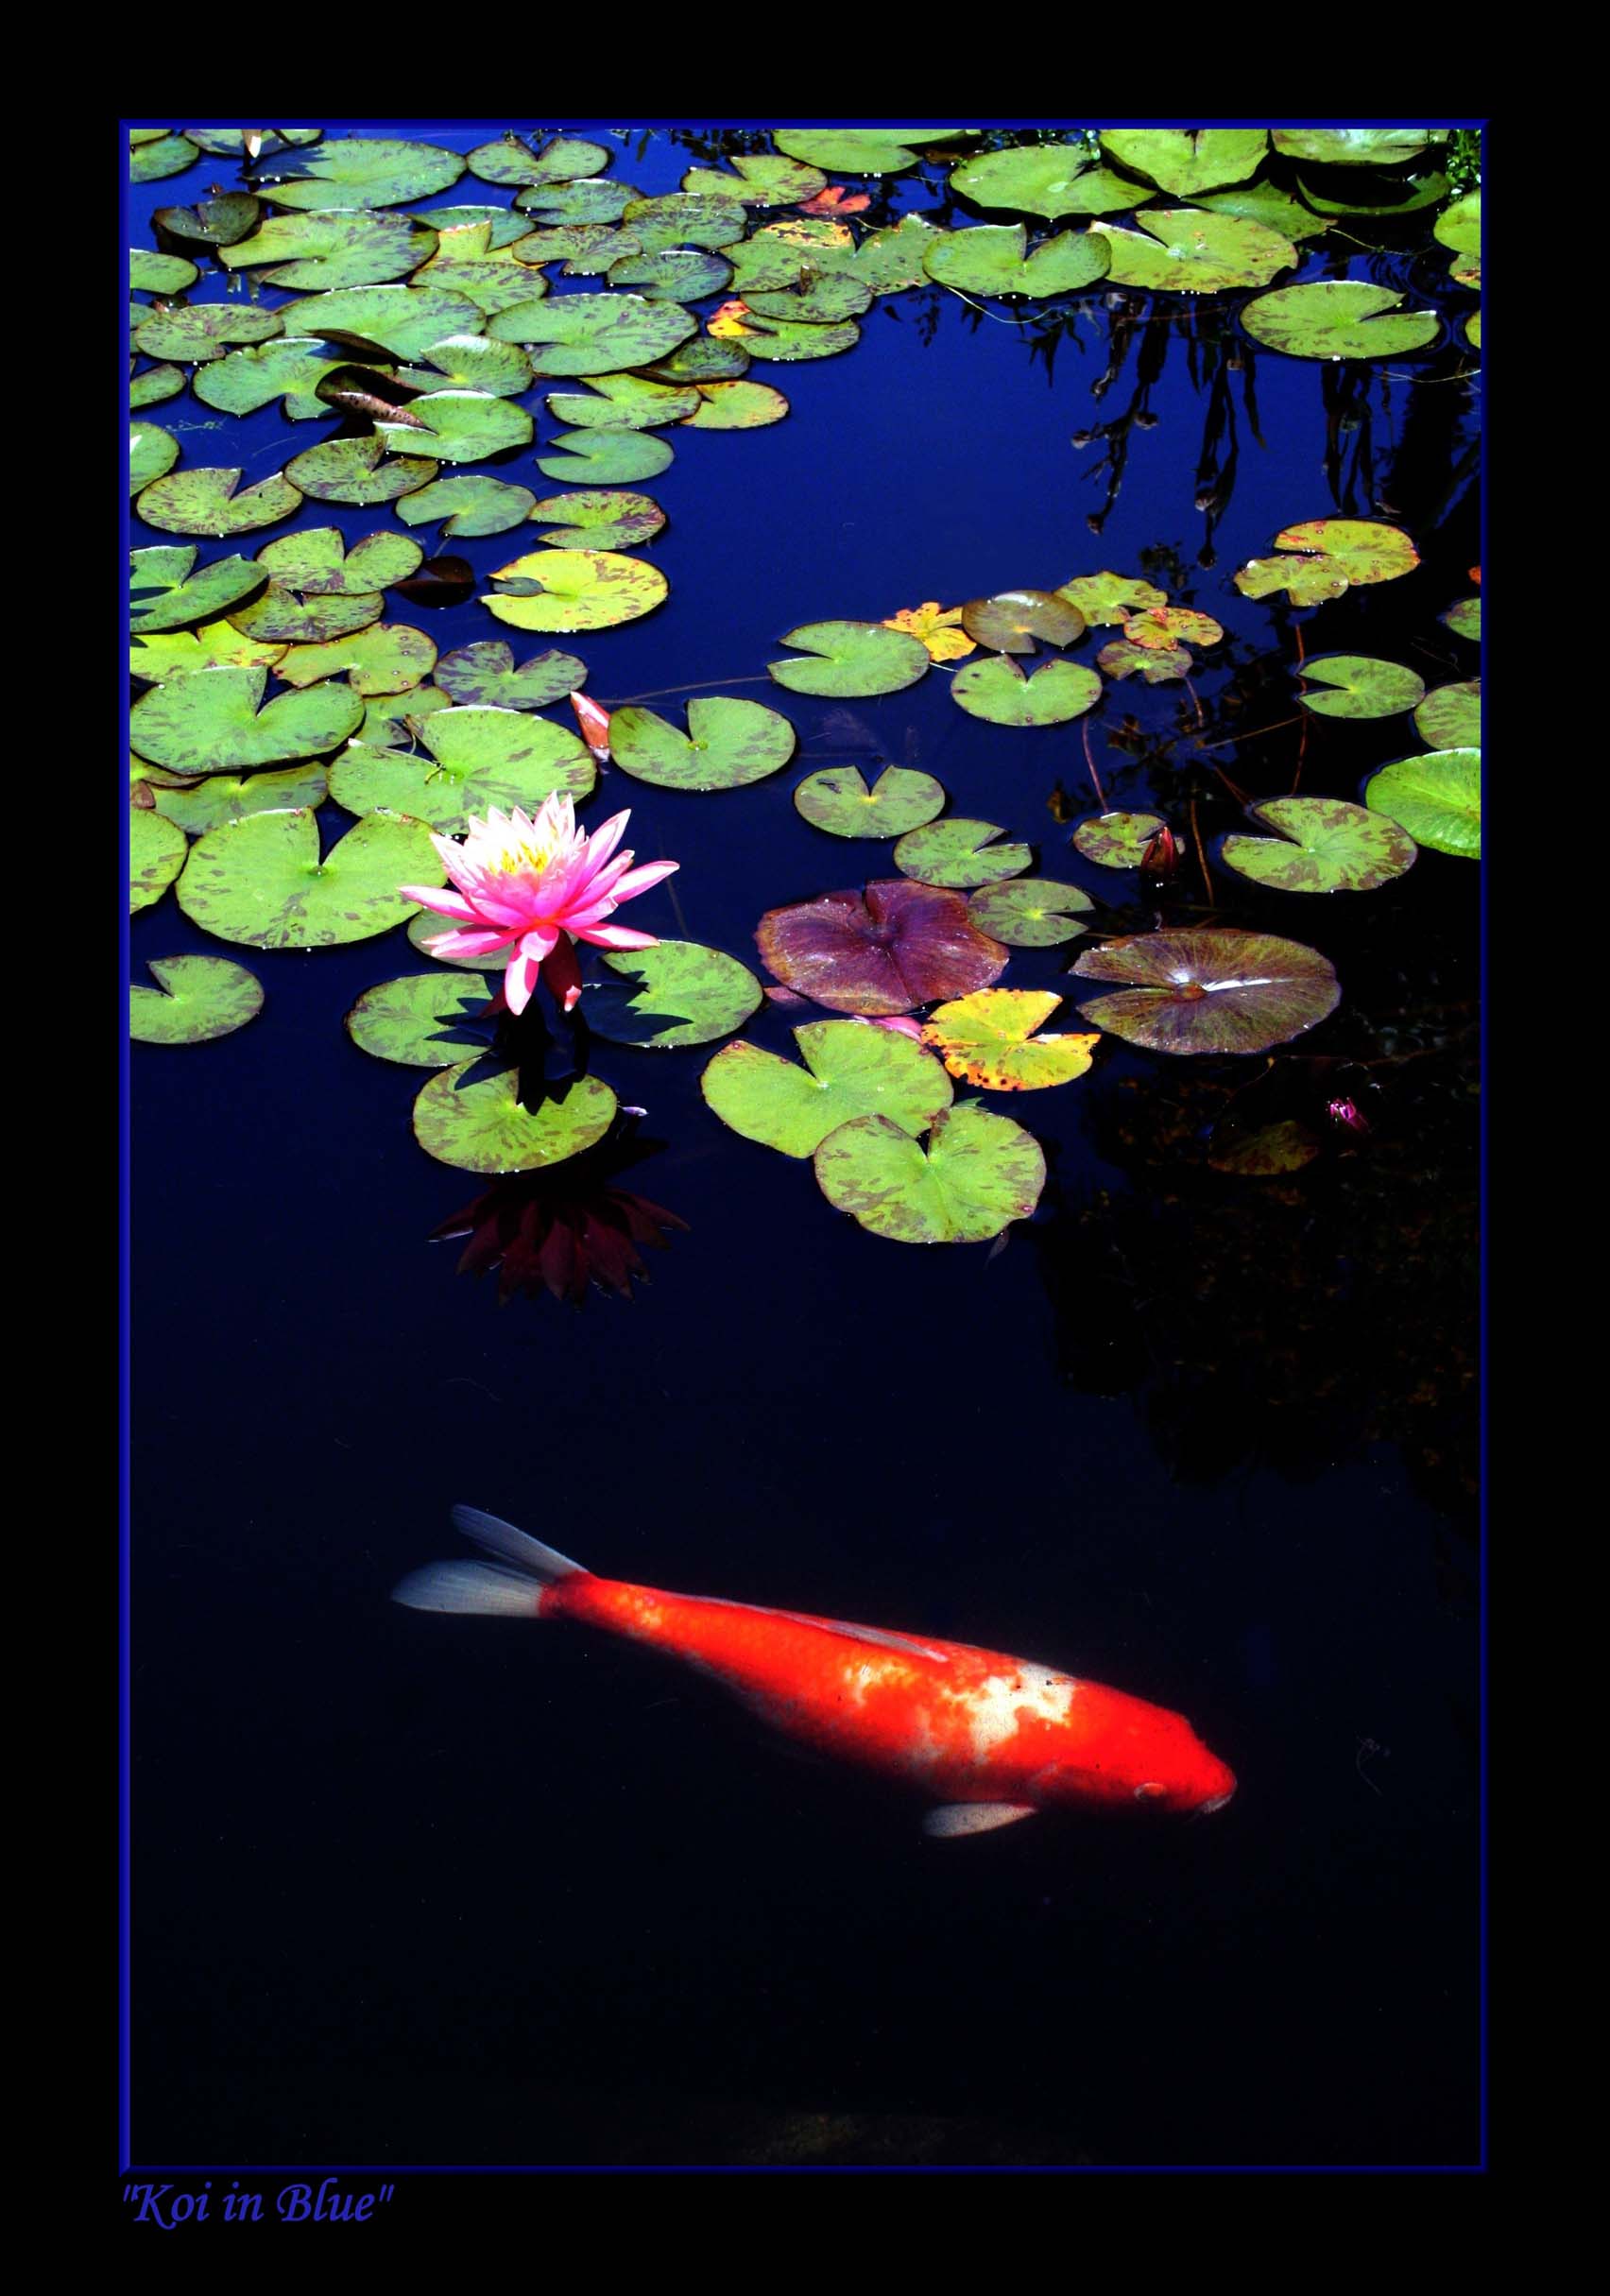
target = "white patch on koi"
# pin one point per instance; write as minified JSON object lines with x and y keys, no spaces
{"x":996,"y":1711}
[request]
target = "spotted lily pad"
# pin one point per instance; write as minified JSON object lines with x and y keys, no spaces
{"x":1186,"y":160}
{"x":1029,"y":912}
{"x":156,"y":855}
{"x":575,"y":590}
{"x":358,"y":470}
{"x":486,"y":673}
{"x":735,"y":406}
{"x":895,"y":945}
{"x":212,"y":502}
{"x":605,"y":457}
{"x":701,"y":359}
{"x":470,"y":506}
{"x":680,"y":219}
{"x":676,"y":276}
{"x":198,"y":806}
{"x":165,"y":592}
{"x":728,"y":743}
{"x":1322,"y":557}
{"x":459,"y":426}
{"x":1464,"y":618}
{"x":316,"y":563}
{"x":1123,"y":657}
{"x":199,"y":998}
{"x":1323,"y":845}
{"x":478,"y":261}
{"x":1451,"y":717}
{"x":468,"y":362}
{"x":1460,"y":226}
{"x":199,"y":332}
{"x":1193,"y":252}
{"x":850,"y":1071}
{"x":152,"y":274}
{"x":262,"y":879}
{"x":1209,"y":991}
{"x":1117,"y":841}
{"x":473,"y":1116}
{"x":980,"y":1173}
{"x":151,"y":387}
{"x":1165,"y":626}
{"x":997,"y":689}
{"x":1010,"y":622}
{"x":785,"y":339}
{"x":387,"y":658}
{"x":593,"y":335}
{"x":1357,"y":685}
{"x":159,"y":656}
{"x":510,"y":160}
{"x":355,"y":250}
{"x":480,"y":757}
{"x":1339,"y":318}
{"x":959,"y":852}
{"x":290,"y":368}
{"x":596,"y":519}
{"x":1046,"y":179}
{"x":423,"y":1020}
{"x":1436,"y":797}
{"x":160,"y":155}
{"x":213,"y":722}
{"x":760,"y":179}
{"x":989,"y":1039}
{"x":993,"y":259}
{"x":850,"y":658}
{"x":623,"y":402}
{"x":1110,"y":598}
{"x":838,"y":801}
{"x":360,"y":171}
{"x":676,"y":993}
{"x":212,"y":223}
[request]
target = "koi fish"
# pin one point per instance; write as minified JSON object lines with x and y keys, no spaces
{"x":990,"y":1737}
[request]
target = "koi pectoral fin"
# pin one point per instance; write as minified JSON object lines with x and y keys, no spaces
{"x":974,"y":1817}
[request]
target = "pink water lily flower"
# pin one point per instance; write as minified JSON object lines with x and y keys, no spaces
{"x":533,"y":886}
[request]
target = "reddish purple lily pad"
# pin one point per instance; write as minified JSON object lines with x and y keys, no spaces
{"x":1210,"y":991}
{"x":895,"y":945}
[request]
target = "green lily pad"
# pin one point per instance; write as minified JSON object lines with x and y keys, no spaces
{"x":470,"y":505}
{"x":727,"y":745}
{"x":212,"y":223}
{"x":1353,"y":147}
{"x":199,"y":332}
{"x":201,"y":998}
{"x":1472,"y":336}
{"x":680,"y":220}
{"x":502,"y":226}
{"x":316,"y":562}
{"x":1110,"y":598}
{"x":280,"y":616}
{"x":361,"y":171}
{"x":1209,"y":991}
{"x":593,"y":335}
{"x":850,"y":658}
{"x":838,"y":801}
{"x":390,"y":658}
{"x":1450,"y":717}
{"x":995,"y":687}
{"x":206,"y":501}
{"x":851,"y":1069}
{"x":459,"y":426}
{"x":1459,"y":227}
{"x":290,"y":368}
{"x":992,"y":259}
{"x":597,"y":519}
{"x":358,"y":250}
{"x":1123,"y":657}
{"x":156,"y":855}
{"x":152,"y":274}
{"x":401,"y":322}
{"x":358,"y":470}
{"x":512,"y":160}
{"x":701,"y":359}
{"x":1186,"y":160}
{"x":988,"y":1039}
{"x":890,"y":259}
{"x":198,"y":806}
{"x":1323,"y":845}
{"x":857,"y":152}
{"x":680,"y":993}
{"x":421,"y":1020}
{"x":623,"y":402}
{"x":486,"y":673}
{"x":1339,"y":318}
{"x":605,"y":458}
{"x":1046,"y":179}
{"x":469,"y":363}
{"x":151,"y":451}
{"x":390,"y":719}
{"x":791,"y":340}
{"x":160,"y":656}
{"x":980,"y":1173}
{"x":162,"y":155}
{"x":1357,"y":685}
{"x":576,"y":589}
{"x":959,"y":852}
{"x":153,"y":385}
{"x":482,"y":263}
{"x":473,"y":1117}
{"x":1117,"y":841}
{"x":1011,"y":621}
{"x":1266,"y":204}
{"x":1029,"y":912}
{"x":166,"y":594}
{"x":213,"y":722}
{"x":588,"y":200}
{"x":261,"y":879}
{"x":736,"y":406}
{"x":1464,"y":618}
{"x":1371,"y":192}
{"x":480,"y":757}
{"x":760,"y":179}
{"x":1325,"y":556}
{"x":1192,"y":250}
{"x":585,"y":250}
{"x":233,"y":140}
{"x":678,"y":275}
{"x":787,"y":253}
{"x":1436,"y":797}
{"x":837,"y":295}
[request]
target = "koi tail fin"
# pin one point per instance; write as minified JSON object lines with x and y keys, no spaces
{"x":511,"y":1588}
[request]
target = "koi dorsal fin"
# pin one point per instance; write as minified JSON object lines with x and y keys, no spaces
{"x":840,"y":1626}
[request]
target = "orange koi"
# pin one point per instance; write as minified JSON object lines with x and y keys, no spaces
{"x":990,"y":1737}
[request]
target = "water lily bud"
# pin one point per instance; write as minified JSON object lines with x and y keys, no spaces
{"x":1161,"y":857}
{"x":1345,"y":1112}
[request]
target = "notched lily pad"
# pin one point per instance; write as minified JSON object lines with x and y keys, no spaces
{"x":980,"y":1173}
{"x":1186,"y":161}
{"x":891,"y":945}
{"x":360,"y":172}
{"x":575,"y":590}
{"x":992,"y":259}
{"x":156,"y":855}
{"x":1215,"y":990}
{"x":423,"y":1020}
{"x":1436,"y":797}
{"x":676,"y":993}
{"x":850,"y":1071}
{"x":199,"y":332}
{"x":470,"y":505}
{"x":605,"y":458}
{"x":849,"y":660}
{"x":1050,"y":180}
{"x":473,"y":1116}
{"x":214,"y":722}
{"x":1158,"y":665}
{"x":1193,"y":250}
{"x":387,"y":658}
{"x":1010,"y":622}
{"x":1111,"y":597}
{"x":593,"y":335}
{"x":1450,"y":717}
{"x":596,"y":519}
{"x":1117,"y":841}
{"x":1323,"y":845}
{"x":214,"y":502}
{"x":166,"y":592}
{"x":358,"y":470}
{"x":262,"y":881}
{"x":199,"y":998}
{"x":838,"y":801}
{"x":959,"y":852}
{"x":991,"y":1040}
{"x":1339,"y":318}
{"x":1357,"y":685}
{"x":995,"y":687}
{"x":1029,"y":912}
{"x":1322,"y":557}
{"x":485,"y":673}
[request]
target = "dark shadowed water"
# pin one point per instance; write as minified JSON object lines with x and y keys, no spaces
{"x":411,"y":1889}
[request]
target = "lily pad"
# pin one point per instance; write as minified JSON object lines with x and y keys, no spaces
{"x":1029,"y":912}
{"x":389,"y":659}
{"x":199,"y":998}
{"x":390,"y":719}
{"x":1372,"y":192}
{"x":993,"y":259}
{"x":990,"y":1040}
{"x":789,"y":340}
{"x":1186,"y":160}
{"x":680,"y":219}
{"x":576,"y":589}
{"x":1464,"y":618}
{"x":486,"y":673}
{"x":198,"y":806}
{"x":214,"y":502}
{"x":1192,"y":252}
{"x":590,"y":200}
{"x":164,"y":655}
{"x":1459,"y":227}
{"x":623,"y":402}
{"x":593,"y":335}
{"x":156,"y":855}
{"x":940,"y":629}
{"x":888,"y":261}
{"x":316,"y":563}
{"x":1166,"y":627}
{"x":280,"y":617}
{"x":760,"y":179}
{"x":736,"y":406}
{"x":1110,"y":598}
{"x":152,"y":274}
{"x":678,"y":275}
{"x":850,"y":658}
{"x":891,"y":945}
{"x":261,"y":879}
{"x":358,"y":470}
{"x":1353,"y":147}
{"x":481,"y":263}
{"x":290,"y":368}
{"x":1123,"y":657}
{"x":837,"y":295}
{"x":1357,"y":685}
{"x":154,"y":385}
{"x":605,"y":458}
{"x":596,"y":519}
{"x":979,"y":1174}
{"x":1322,"y":557}
{"x":727,"y":745}
{"x":838,"y":801}
{"x":1046,"y":179}
{"x":356,"y":249}
{"x":361,"y":171}
{"x":850,"y":1071}
{"x":959,"y":852}
{"x":562,"y":160}
{"x":402,"y":322}
{"x":199,"y":331}
{"x":421,"y":1020}
{"x":1011,"y":621}
{"x":1323,"y":845}
{"x":679,"y":993}
{"x":701,"y":359}
{"x":997,"y":689}
{"x":213,"y":223}
{"x":480,"y":757}
{"x":459,"y":426}
{"x":1436,"y":797}
{"x":1451,"y":717}
{"x":470,"y":505}
{"x":151,"y":451}
{"x":1209,"y":991}
{"x":165,"y":592}
{"x":473,"y":1116}
{"x":469,"y":363}
{"x":213,"y":722}
{"x":858,"y":151}
{"x":1117,"y":841}
{"x":1267,"y":204}
{"x":1339,"y":318}
{"x":160,"y":156}
{"x":583,"y":249}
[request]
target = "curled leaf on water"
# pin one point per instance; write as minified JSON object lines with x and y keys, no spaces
{"x":1357,"y":685}
{"x":940,"y":629}
{"x":978,"y":1172}
{"x":575,"y":590}
{"x":1117,"y":841}
{"x":1214,"y":990}
{"x":990,"y":1039}
{"x":887,"y":949}
{"x":1011,"y":619}
{"x":838,"y":801}
{"x":1029,"y":912}
{"x":728,"y":743}
{"x":676,"y":993}
{"x":1450,"y":717}
{"x":1322,"y":845}
{"x":960,"y":853}
{"x":850,"y":658}
{"x":1322,"y":557}
{"x":198,"y":999}
{"x":1436,"y":797}
{"x":850,"y":1071}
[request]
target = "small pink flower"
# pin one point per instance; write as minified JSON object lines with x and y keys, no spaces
{"x":1345,"y":1112}
{"x":529,"y":887}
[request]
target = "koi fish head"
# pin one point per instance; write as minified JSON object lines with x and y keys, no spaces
{"x":1147,"y":1754}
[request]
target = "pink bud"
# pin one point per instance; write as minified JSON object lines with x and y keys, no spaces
{"x":1345,"y":1112}
{"x":594,"y":723}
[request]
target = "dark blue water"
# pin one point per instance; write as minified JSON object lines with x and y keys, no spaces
{"x":410,"y":1889}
